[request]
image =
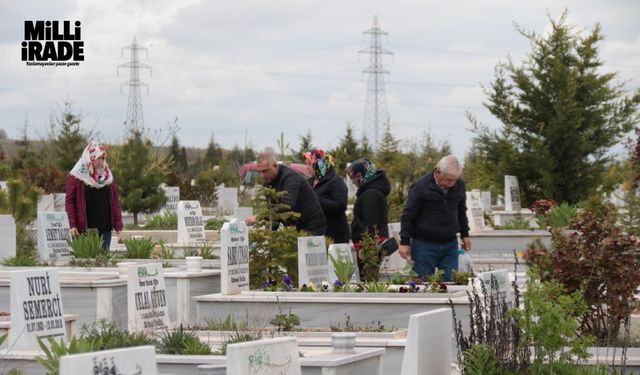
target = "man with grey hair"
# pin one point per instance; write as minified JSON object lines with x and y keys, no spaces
{"x":300,"y":196}
{"x":434,"y":214}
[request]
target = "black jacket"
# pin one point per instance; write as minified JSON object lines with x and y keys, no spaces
{"x":433,"y":215}
{"x":371,"y":208}
{"x":301,"y":198}
{"x":332,"y":194}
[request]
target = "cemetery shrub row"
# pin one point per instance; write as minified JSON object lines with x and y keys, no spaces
{"x":164,"y":221}
{"x":598,"y":259}
{"x":105,"y":335}
{"x":541,"y":337}
{"x":580,"y":292}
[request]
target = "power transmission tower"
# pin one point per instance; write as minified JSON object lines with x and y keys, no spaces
{"x":375,"y":111}
{"x":135,"y":119}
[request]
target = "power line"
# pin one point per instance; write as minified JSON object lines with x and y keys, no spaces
{"x":376,"y":110}
{"x":135,"y":119}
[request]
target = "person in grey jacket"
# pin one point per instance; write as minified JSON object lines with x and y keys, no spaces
{"x":434,"y":214}
{"x":300,"y":197}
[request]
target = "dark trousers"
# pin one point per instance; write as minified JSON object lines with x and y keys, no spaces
{"x":429,"y":255}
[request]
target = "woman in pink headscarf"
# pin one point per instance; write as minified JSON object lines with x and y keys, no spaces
{"x":92,"y":195}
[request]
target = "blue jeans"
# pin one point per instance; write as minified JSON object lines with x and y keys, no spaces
{"x":429,"y":255}
{"x":106,"y":239}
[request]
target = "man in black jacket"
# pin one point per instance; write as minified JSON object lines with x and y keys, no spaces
{"x":435,"y":212}
{"x":300,"y":197}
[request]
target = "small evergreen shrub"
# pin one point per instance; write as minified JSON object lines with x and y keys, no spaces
{"x":138,"y":248}
{"x":87,"y":245}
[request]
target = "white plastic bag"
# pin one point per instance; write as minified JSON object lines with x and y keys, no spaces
{"x":465,"y":264}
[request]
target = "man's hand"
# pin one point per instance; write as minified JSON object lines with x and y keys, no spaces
{"x":405,"y":251}
{"x":250,"y":220}
{"x":74,"y":232}
{"x":466,"y":244}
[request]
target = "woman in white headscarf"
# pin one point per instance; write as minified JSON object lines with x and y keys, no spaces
{"x":92,"y":195}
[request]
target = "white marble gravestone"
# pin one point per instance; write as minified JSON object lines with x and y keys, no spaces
{"x":429,"y":349}
{"x":394,"y":262}
{"x":7,"y":237}
{"x":501,"y":290}
{"x":190,"y":225}
{"x":138,"y":360}
{"x":36,"y":308}
{"x":340,"y":252}
{"x":500,"y":201}
{"x":511,"y":194}
{"x":173,"y":197}
{"x":475,"y":213}
{"x":486,"y":201}
{"x":53,"y":233}
{"x":312,"y":261}
{"x":278,"y":356}
{"x":46,"y":202}
{"x":234,"y":261}
{"x":147,"y":298}
{"x":227,"y":200}
{"x":242,"y":213}
{"x":59,"y":202}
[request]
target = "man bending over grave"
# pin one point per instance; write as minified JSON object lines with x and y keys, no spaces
{"x":300,"y":196}
{"x":435,"y":212}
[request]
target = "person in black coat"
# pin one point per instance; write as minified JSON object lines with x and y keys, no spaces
{"x":434,"y":214}
{"x":300,"y":197}
{"x":371,"y":207}
{"x":331,"y":192}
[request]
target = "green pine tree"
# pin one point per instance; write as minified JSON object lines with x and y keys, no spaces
{"x":273,"y":251}
{"x":347,"y":151}
{"x":213,"y":155}
{"x":366,"y":150}
{"x":68,"y":137}
{"x":21,"y":201}
{"x":559,"y":114}
{"x":631,"y":218}
{"x":25,"y":158}
{"x":237,"y":157}
{"x":305,"y":145}
{"x":139,"y":177}
{"x":177,"y":156}
{"x":388,"y":148}
{"x":389,"y":156}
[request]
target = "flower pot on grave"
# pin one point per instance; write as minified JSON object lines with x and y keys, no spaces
{"x":123,"y":268}
{"x":194,"y":264}
{"x":343,"y":342}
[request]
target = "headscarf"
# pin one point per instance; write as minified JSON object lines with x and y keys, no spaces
{"x":321,"y":162}
{"x":85,"y":171}
{"x":363,"y":170}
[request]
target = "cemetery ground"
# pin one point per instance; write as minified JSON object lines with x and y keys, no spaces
{"x":156,"y":288}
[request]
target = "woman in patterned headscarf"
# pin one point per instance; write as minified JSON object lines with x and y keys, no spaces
{"x":371,"y":207}
{"x":331,"y":192}
{"x":92,"y":199}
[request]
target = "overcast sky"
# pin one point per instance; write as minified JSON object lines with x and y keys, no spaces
{"x":265,"y":67}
